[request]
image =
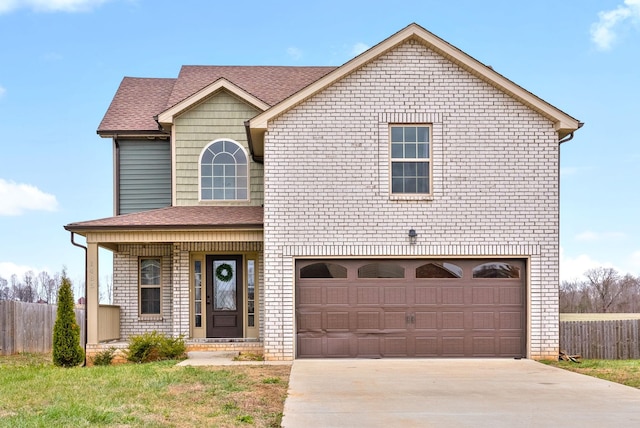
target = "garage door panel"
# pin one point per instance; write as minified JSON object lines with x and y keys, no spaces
{"x":338,"y":346}
{"x":310,"y":321}
{"x":426,"y":346}
{"x":510,"y":321}
{"x":368,"y":320}
{"x":452,"y":320}
{"x":510,"y":346}
{"x":395,"y":346}
{"x":453,"y":296}
{"x":452,"y":346}
{"x":368,"y":295}
{"x":511,"y":296}
{"x":483,"y":296}
{"x":368,"y":346}
{"x":426,"y":320}
{"x":394,"y":296}
{"x":337,"y":321}
{"x":484,"y":320}
{"x":395,"y":320}
{"x":337,"y":295}
{"x":428,"y":316}
{"x":310,"y":295}
{"x":426,"y":295}
{"x":310,"y":347}
{"x":483,"y":346}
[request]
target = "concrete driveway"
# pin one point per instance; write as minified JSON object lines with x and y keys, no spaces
{"x":452,"y":393}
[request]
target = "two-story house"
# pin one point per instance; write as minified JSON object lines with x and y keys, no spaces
{"x":404,"y":204}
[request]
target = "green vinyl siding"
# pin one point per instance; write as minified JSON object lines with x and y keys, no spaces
{"x":220,"y":116}
{"x":144,"y":175}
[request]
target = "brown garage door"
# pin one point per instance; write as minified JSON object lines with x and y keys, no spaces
{"x":410,"y":308}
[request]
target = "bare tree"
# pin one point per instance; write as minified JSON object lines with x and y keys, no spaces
{"x":29,"y":287}
{"x":607,"y":288}
{"x":4,"y":289}
{"x":574,"y":297}
{"x":48,"y":286}
{"x":106,"y":287}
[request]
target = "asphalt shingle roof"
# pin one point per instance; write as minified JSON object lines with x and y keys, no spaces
{"x":191,"y":217}
{"x":139,"y":100}
{"x":135,"y":104}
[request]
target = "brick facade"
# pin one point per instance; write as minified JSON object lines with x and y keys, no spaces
{"x":494,"y":177}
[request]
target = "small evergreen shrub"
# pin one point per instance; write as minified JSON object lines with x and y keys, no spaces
{"x":104,"y":358}
{"x":172,"y":348}
{"x":67,"y":351}
{"x":153,"y":346}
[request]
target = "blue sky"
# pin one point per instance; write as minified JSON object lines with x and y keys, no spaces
{"x":61,"y":62}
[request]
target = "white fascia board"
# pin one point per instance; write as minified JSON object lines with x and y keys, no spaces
{"x":562,"y":120}
{"x":167,"y":116}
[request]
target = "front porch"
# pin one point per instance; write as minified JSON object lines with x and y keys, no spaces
{"x":191,"y":272}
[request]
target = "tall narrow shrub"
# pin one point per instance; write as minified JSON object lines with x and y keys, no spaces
{"x":67,"y":351}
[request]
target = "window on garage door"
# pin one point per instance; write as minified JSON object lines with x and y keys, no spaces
{"x":323,"y":270}
{"x":496,"y":270}
{"x":439,"y":270}
{"x":381,"y":270}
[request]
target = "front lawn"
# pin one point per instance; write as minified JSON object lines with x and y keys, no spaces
{"x":626,"y":372}
{"x":34,"y":393}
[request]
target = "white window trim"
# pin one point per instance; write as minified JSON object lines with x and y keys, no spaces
{"x":223,"y":201}
{"x":429,"y":160}
{"x":148,"y":317}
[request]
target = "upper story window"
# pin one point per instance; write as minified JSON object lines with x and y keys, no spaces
{"x":223,"y":172}
{"x":410,"y":159}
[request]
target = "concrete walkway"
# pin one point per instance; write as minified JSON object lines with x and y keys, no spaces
{"x":452,"y":393}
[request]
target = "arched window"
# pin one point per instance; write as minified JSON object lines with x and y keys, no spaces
{"x":223,"y":172}
{"x":496,"y":270}
{"x":323,"y":270}
{"x":439,"y":270}
{"x":381,"y":270}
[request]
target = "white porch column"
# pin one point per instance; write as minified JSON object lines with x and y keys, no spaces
{"x":93,"y":294}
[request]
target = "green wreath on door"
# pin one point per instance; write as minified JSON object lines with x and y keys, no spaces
{"x":224,"y":272}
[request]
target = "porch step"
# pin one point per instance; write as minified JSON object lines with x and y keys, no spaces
{"x":209,"y":358}
{"x":199,"y":355}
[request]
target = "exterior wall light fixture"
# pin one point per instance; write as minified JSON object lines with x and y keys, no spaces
{"x":413,"y":236}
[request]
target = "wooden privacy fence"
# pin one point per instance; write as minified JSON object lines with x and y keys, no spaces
{"x":28,"y":327}
{"x":607,"y":340}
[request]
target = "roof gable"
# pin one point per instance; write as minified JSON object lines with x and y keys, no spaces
{"x":167,"y":116}
{"x":564,"y":124}
{"x":270,"y":84}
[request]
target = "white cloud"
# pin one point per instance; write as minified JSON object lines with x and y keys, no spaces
{"x":574,"y":268}
{"x":8,"y":268}
{"x":358,"y":48}
{"x":294,"y":52}
{"x":589,"y":235}
{"x":7,"y":6}
{"x":17,"y":198}
{"x":605,"y":32}
{"x":2,"y":91}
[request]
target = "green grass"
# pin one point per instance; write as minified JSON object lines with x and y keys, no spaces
{"x":626,"y":372}
{"x":34,"y":393}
